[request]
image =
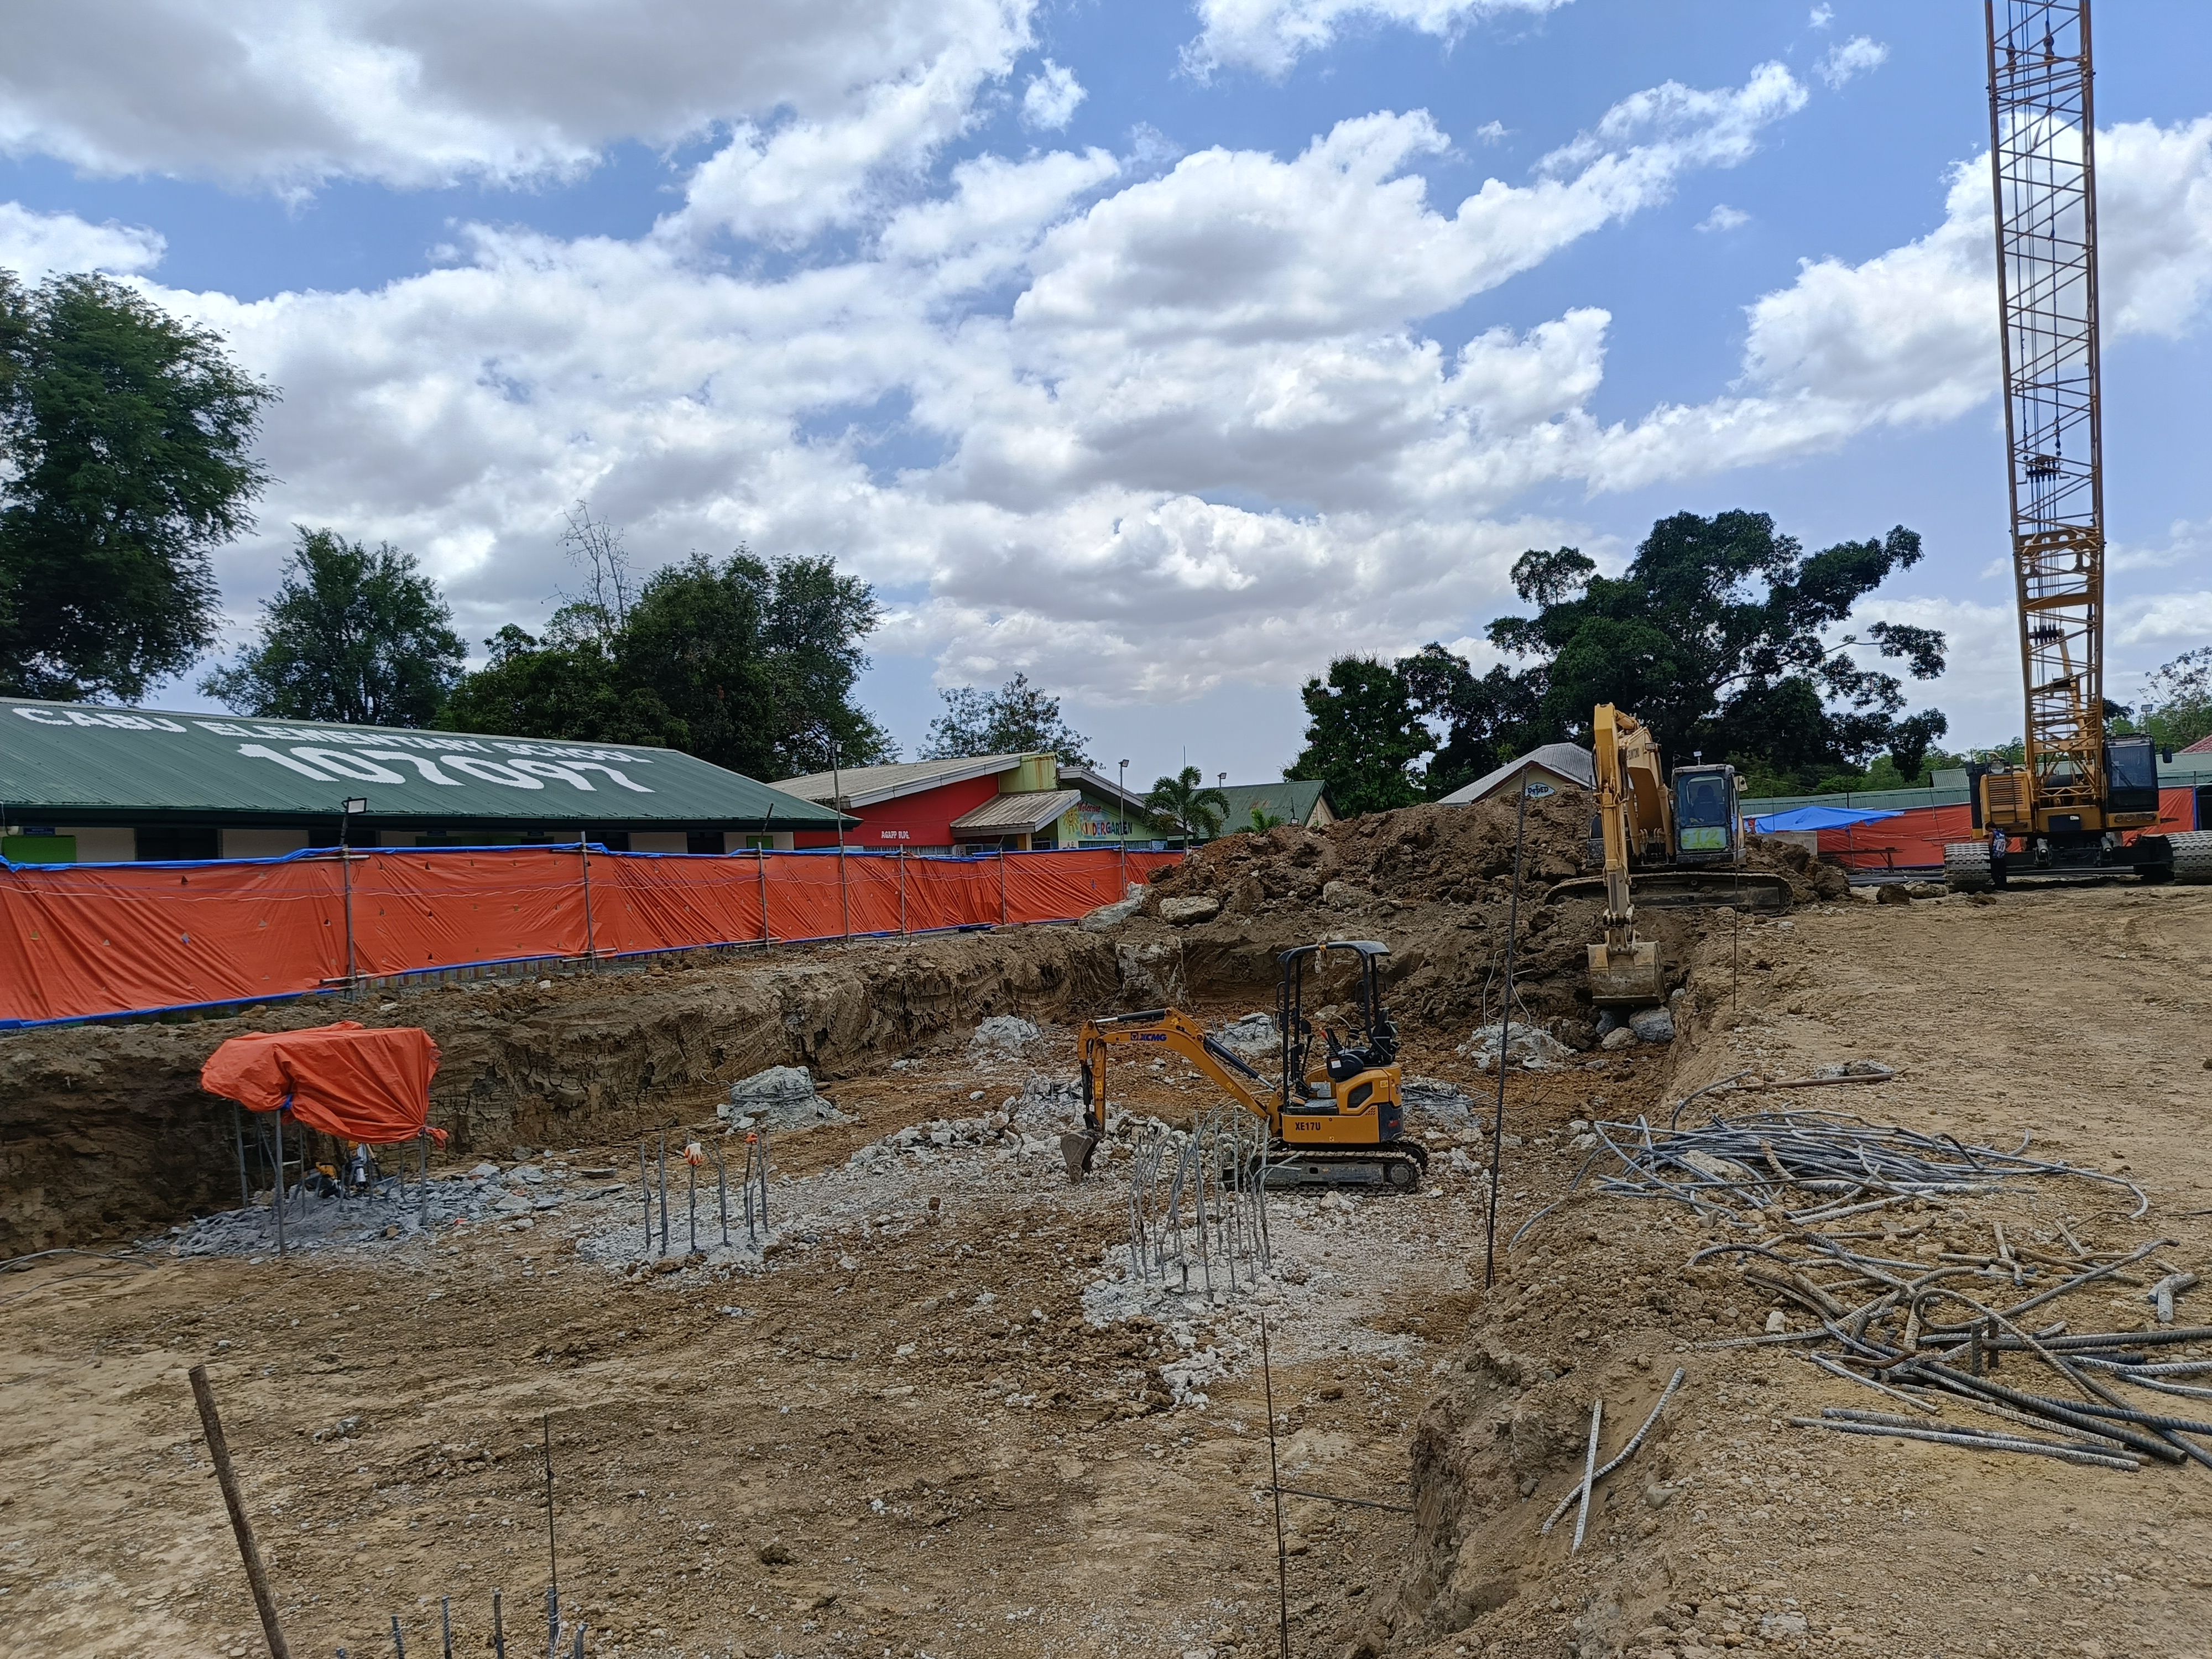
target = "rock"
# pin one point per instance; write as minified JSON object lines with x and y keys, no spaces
{"x":1009,"y":1032}
{"x":1255,"y":1033}
{"x":1108,"y":917}
{"x":781,"y":1097}
{"x":1781,"y":1623}
{"x":1529,"y":1047}
{"x":1652,"y":1025}
{"x":1778,"y":1322}
{"x":1345,"y":895}
{"x":1619,"y":1037}
{"x":1891,"y":893}
{"x":1183,"y":912}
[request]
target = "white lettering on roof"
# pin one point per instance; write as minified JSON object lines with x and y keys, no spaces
{"x":349,"y":766}
{"x":421,"y":763}
{"x":42,"y":716}
{"x":492,"y":771}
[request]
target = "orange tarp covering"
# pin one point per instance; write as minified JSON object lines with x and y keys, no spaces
{"x":1915,"y":837}
{"x":84,"y":939}
{"x":344,"y":1079}
{"x":1912,"y":840}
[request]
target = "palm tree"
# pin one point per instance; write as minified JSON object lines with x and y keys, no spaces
{"x":1263,"y":821}
{"x":1186,"y":805}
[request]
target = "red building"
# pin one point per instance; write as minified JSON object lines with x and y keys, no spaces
{"x":975,"y":804}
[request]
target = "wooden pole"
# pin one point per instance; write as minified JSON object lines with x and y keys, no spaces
{"x":219,"y":1452}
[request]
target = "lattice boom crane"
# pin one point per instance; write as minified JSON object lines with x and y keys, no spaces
{"x":2078,"y":793}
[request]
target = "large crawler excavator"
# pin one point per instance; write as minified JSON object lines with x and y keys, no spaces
{"x":1335,"y":1107}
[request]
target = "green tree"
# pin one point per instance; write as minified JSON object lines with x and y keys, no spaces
{"x":350,"y":635}
{"x":2178,"y":708}
{"x":1716,"y":636}
{"x":1263,"y":821}
{"x":750,"y":664}
{"x":126,"y":455}
{"x":1017,"y":718}
{"x":1486,"y":721}
{"x":1363,"y":736}
{"x":564,"y":685}
{"x":1185,"y":804}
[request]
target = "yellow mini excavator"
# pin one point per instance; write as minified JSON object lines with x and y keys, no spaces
{"x":1677,"y":834}
{"x":1334,"y":1111}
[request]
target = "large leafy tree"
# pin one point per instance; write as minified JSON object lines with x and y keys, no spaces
{"x":2178,"y":708}
{"x":1185,"y":804}
{"x":750,"y":664}
{"x":564,"y":684}
{"x":126,"y":442}
{"x":349,"y":635}
{"x":1363,"y":735}
{"x":1717,"y":637}
{"x":1017,"y":718}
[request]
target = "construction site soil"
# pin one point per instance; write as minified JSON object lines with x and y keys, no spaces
{"x":912,"y":1426}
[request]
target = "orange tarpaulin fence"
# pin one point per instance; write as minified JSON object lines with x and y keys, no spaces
{"x":1914,"y":839}
{"x":342,"y":1079}
{"x":83,"y":941}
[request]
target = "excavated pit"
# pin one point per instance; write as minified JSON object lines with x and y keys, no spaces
{"x":104,"y":1130}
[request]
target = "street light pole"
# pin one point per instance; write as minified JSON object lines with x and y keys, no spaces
{"x":346,"y":809}
{"x":1122,"y":791}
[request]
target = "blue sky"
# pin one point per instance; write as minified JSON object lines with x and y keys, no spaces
{"x":1148,"y":349}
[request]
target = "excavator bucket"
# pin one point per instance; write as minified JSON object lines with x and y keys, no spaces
{"x":1077,"y":1150}
{"x":1626,"y":977}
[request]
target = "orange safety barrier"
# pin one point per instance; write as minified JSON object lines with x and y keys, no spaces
{"x":1914,"y":838}
{"x":83,"y":941}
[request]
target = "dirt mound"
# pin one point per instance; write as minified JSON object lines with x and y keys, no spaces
{"x":1427,"y":852}
{"x":1432,"y":852}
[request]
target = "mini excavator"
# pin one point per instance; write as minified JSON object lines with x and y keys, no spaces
{"x":1677,"y":833}
{"x":1335,"y":1112}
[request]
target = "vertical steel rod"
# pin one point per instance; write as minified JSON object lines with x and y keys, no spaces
{"x":278,"y":1204}
{"x":1505,"y":1044}
{"x":1275,"y":1491}
{"x":663,"y":1192}
{"x":498,"y":1627}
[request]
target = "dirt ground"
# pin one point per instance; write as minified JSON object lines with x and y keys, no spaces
{"x":902,"y":1436}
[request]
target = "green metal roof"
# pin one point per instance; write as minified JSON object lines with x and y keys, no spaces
{"x":74,"y":763}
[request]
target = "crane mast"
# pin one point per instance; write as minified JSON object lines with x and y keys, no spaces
{"x":2043,"y":167}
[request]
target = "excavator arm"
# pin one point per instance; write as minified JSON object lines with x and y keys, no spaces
{"x":1632,"y":805}
{"x":1162,"y":1030}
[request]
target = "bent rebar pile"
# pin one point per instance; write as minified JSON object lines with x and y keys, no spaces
{"x":1736,"y":1170}
{"x":1198,"y":1204}
{"x":1927,"y":1322}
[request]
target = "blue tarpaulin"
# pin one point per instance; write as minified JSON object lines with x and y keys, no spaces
{"x":1817,"y":817}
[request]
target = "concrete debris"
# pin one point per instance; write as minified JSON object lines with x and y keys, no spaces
{"x":1652,"y":1025}
{"x":1435,"y":1095}
{"x":782,"y":1098}
{"x":1619,"y":1037}
{"x":1108,"y":917}
{"x":1529,"y":1047}
{"x":1008,"y":1032}
{"x":1345,"y":896}
{"x":1184,"y":912}
{"x":1252,"y":1036}
{"x":393,"y":1213}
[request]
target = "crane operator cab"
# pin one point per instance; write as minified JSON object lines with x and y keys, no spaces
{"x":1704,"y":814}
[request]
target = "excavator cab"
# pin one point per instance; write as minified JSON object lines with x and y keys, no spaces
{"x":1339,"y":1089}
{"x":1704,"y":814}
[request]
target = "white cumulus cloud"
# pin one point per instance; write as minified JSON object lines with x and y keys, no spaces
{"x":1848,"y":59}
{"x":36,"y":246}
{"x":1270,"y":36}
{"x":1048,"y":101}
{"x":290,"y":93}
{"x":1724,"y":217}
